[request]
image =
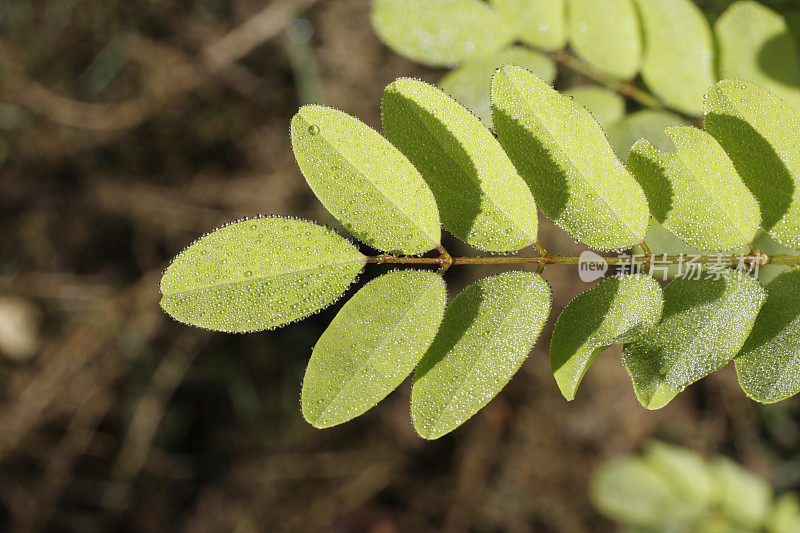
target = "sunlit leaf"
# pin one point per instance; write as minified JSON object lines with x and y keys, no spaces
{"x":645,"y":124}
{"x":686,"y":472}
{"x":605,"y":105}
{"x":762,"y":137}
{"x":696,"y":193}
{"x":372,"y":345}
{"x":628,"y":490}
{"x":364,"y":181}
{"x":769,"y":364}
{"x":606,"y":35}
{"x":743,"y":497}
{"x":678,"y":62}
{"x":481,"y":198}
{"x":784,"y":517}
{"x":705,"y":323}
{"x":487,"y":332}
{"x":754,"y":44}
{"x":258,"y":274}
{"x":620,"y":309}
{"x":539,"y":23}
{"x":563,"y":154}
{"x":440,"y":32}
{"x":471,"y":82}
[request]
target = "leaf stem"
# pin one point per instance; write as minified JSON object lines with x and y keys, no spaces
{"x":784,"y":260}
{"x":622,"y":87}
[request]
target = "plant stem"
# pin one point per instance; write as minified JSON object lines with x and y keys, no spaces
{"x":624,"y":88}
{"x":784,"y":260}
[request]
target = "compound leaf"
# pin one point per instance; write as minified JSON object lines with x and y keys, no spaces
{"x":258,"y":274}
{"x":647,"y":124}
{"x":563,"y":154}
{"x":619,"y":309}
{"x":440,"y":32}
{"x":606,"y":34}
{"x":705,"y":323}
{"x":696,"y":193}
{"x":769,"y":364}
{"x":742,"y":496}
{"x":630,"y":491}
{"x":762,"y":136}
{"x":481,"y":198}
{"x":539,"y":23}
{"x":487,"y":332}
{"x":678,"y":62}
{"x":605,"y":105}
{"x":470,"y":82}
{"x":365,"y":182}
{"x":372,"y":345}
{"x":755,"y":45}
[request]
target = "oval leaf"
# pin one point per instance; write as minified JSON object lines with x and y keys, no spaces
{"x":686,"y":472}
{"x":678,"y":62}
{"x":539,"y":23}
{"x":487,"y":332}
{"x":743,"y":496}
{"x":481,"y":198}
{"x":470,"y":83}
{"x":645,"y":124}
{"x":605,"y":34}
{"x":372,"y":345}
{"x":563,"y":154}
{"x":696,"y":193}
{"x":620,"y":309}
{"x":258,"y":274}
{"x":364,"y":181}
{"x":440,"y":32}
{"x":605,"y":105}
{"x":762,"y":136}
{"x":705,"y":323}
{"x":769,"y":364}
{"x":755,"y":45}
{"x":628,"y":490}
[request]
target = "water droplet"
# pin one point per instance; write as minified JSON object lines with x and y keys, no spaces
{"x":247,"y":274}
{"x":313,"y":129}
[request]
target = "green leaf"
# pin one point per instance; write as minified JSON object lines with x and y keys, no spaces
{"x":620,"y":309}
{"x":258,"y":274}
{"x":743,"y":497}
{"x":705,"y":323}
{"x":755,"y":44}
{"x":687,"y":473}
{"x":563,"y":154}
{"x":629,"y":491}
{"x":606,"y":35}
{"x":784,"y":517}
{"x":372,"y":345}
{"x":762,"y":137}
{"x":539,"y":23}
{"x":487,"y":332}
{"x":678,"y":62}
{"x":696,"y":193}
{"x":605,"y":105}
{"x":440,"y":32}
{"x":769,"y":364}
{"x":647,"y":124}
{"x":481,"y":198}
{"x":470,"y":83}
{"x":365,"y":182}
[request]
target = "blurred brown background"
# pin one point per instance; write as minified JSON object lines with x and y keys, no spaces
{"x":128,"y":129}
